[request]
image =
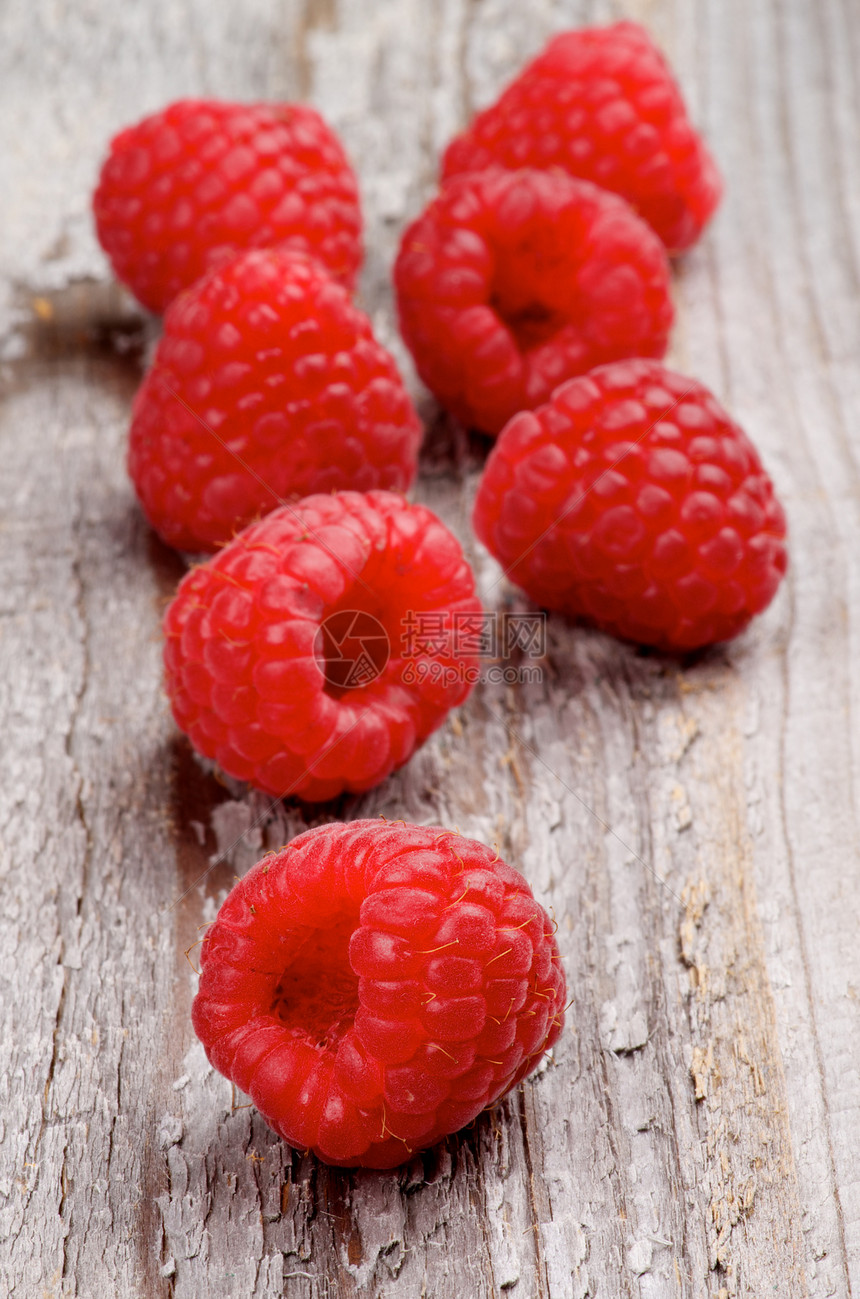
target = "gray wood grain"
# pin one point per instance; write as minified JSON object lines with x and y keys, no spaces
{"x":694,"y":827}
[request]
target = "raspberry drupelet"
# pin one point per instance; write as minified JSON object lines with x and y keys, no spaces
{"x":602,"y":104}
{"x":286,"y":653}
{"x":511,"y":282}
{"x":267,"y":385}
{"x":375,"y":985}
{"x":634,"y":501}
{"x":195,"y":183}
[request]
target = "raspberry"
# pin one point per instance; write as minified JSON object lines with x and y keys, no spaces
{"x":288,"y":654}
{"x":192,"y":185}
{"x":602,"y":104}
{"x":511,"y":282}
{"x":374,"y":986}
{"x":267,"y":384}
{"x":633,"y":500}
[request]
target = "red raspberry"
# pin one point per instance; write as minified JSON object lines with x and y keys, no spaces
{"x":267,"y":384}
{"x":374,"y":986}
{"x":603,"y":104}
{"x":511,"y":282}
{"x":289,"y":657}
{"x":634,"y":501}
{"x":194,"y":184}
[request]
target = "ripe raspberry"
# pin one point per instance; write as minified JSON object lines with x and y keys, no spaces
{"x":374,"y":986}
{"x":194,"y":184}
{"x":267,"y":384}
{"x":634,"y":501}
{"x":288,"y":654}
{"x":602,"y":104}
{"x":511,"y":282}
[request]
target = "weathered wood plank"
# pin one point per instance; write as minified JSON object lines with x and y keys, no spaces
{"x":694,"y":827}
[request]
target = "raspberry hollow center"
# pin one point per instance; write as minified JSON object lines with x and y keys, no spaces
{"x":356,"y":639}
{"x":524,"y":283}
{"x":354,"y":644}
{"x":531,"y":323}
{"x":316,"y":997}
{"x":520,"y":303}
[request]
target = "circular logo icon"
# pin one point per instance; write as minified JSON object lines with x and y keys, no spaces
{"x":352,"y":648}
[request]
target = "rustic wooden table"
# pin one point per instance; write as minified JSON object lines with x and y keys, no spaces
{"x":695,"y":827}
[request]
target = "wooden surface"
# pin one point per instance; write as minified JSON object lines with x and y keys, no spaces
{"x":695,"y":827}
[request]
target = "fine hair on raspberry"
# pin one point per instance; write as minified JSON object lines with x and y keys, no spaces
{"x":374,"y":986}
{"x":289,"y":658}
{"x":188,"y":187}
{"x":511,"y":282}
{"x":601,"y":103}
{"x":634,"y":501}
{"x":267,"y":385}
